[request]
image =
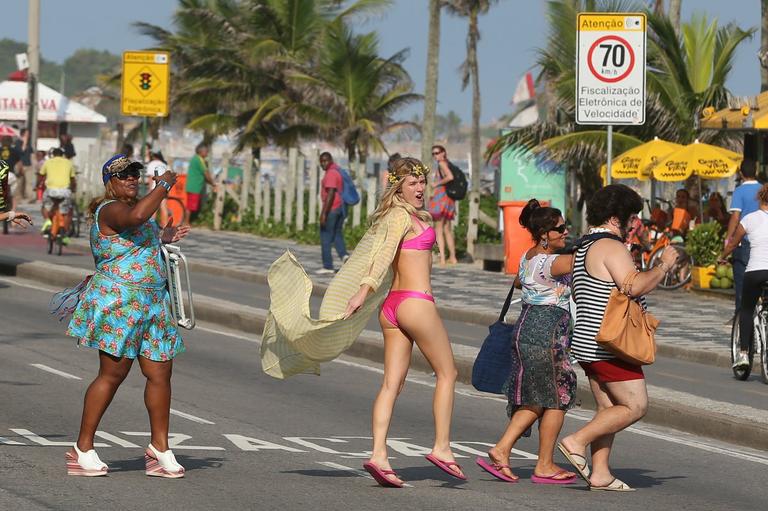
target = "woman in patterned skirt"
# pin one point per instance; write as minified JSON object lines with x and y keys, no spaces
{"x":542,"y":384}
{"x":124,"y":312}
{"x":441,"y":207}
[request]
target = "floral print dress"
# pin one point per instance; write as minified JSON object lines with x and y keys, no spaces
{"x":125,"y":308}
{"x":541,"y":369}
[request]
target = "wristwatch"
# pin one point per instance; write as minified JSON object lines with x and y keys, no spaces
{"x":166,"y":185}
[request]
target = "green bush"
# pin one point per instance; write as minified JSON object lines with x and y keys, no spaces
{"x":704,"y":243}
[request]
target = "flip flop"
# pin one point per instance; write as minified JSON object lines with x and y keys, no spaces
{"x":578,"y":461}
{"x":380,"y":475}
{"x":553,"y":478}
{"x":615,"y":485}
{"x":495,"y":470}
{"x":445,"y":466}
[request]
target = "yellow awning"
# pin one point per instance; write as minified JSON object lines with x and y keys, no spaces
{"x":747,"y":117}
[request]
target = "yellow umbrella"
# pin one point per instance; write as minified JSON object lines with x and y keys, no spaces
{"x":704,"y":160}
{"x":635,"y":163}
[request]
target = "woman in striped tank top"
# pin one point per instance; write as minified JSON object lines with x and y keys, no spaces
{"x":602,"y":262}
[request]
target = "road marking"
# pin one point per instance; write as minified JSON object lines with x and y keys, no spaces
{"x":5,"y":441}
{"x":360,"y":473}
{"x":49,"y":443}
{"x":175,"y":440}
{"x":56,"y":371}
{"x":191,"y":417}
{"x":229,"y":334}
{"x":116,"y":439}
{"x":30,"y":286}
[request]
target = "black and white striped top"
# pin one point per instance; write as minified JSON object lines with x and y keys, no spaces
{"x":590,"y":295}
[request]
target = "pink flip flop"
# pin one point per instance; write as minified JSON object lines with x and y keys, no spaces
{"x":381,"y":475}
{"x":495,"y":470}
{"x":445,"y":466}
{"x":553,"y":478}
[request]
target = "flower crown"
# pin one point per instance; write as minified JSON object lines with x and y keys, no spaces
{"x":418,"y":170}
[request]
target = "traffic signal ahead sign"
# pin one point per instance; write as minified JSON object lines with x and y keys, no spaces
{"x":145,"y":83}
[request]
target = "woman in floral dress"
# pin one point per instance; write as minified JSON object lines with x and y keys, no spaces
{"x":124,"y":312}
{"x":542,"y":384}
{"x":441,"y":207}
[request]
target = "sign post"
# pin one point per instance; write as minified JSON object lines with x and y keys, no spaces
{"x":610,"y":71}
{"x":145,"y":87}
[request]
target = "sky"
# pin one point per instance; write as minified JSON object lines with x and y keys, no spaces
{"x":510,"y":34}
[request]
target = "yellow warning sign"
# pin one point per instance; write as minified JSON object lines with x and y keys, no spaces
{"x":146,"y":83}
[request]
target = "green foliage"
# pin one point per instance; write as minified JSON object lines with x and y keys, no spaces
{"x":84,"y":68}
{"x":704,"y":243}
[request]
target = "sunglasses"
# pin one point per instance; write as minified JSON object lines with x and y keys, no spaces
{"x":437,"y":153}
{"x":125,"y":174}
{"x":560,"y":229}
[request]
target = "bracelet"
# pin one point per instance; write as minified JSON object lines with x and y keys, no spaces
{"x":166,"y":185}
{"x":11,"y":215}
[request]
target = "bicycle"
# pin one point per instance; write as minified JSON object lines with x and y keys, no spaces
{"x":649,"y":254}
{"x":759,"y":340}
{"x":59,"y":228}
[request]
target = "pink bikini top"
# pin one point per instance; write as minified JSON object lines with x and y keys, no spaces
{"x":422,"y":241}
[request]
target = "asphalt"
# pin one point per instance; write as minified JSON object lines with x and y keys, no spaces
{"x":252,"y":442}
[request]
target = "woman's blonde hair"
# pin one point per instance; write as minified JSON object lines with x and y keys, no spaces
{"x":393,"y":197}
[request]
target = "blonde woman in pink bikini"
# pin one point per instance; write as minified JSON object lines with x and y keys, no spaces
{"x":409,"y":315}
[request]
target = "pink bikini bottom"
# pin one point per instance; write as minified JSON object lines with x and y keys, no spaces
{"x":395,"y":298}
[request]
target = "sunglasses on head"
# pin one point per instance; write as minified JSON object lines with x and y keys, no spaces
{"x":560,"y":229}
{"x":125,"y":174}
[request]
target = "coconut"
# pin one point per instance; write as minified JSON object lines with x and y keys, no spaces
{"x":714,"y":283}
{"x":726,"y":283}
{"x":721,"y":271}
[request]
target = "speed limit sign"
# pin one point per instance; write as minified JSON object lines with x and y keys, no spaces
{"x":610,"y":78}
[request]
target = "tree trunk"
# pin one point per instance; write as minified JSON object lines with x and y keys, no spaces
{"x":658,"y":7}
{"x":763,"y":43}
{"x":430,"y":89}
{"x":474,"y":35}
{"x":674,"y":13}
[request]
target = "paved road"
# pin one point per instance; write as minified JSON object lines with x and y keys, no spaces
{"x":251,"y":442}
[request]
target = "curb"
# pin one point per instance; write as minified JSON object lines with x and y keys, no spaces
{"x":369,"y":346}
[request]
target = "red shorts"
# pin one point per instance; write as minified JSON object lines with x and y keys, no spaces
{"x":607,"y":371}
{"x":193,"y":201}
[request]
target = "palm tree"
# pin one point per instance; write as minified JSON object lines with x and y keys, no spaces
{"x":235,"y":60}
{"x":763,"y":54}
{"x":430,"y":88}
{"x":674,"y":14}
{"x":472,"y":9}
{"x":359,"y":91}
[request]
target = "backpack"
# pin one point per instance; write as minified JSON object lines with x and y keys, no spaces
{"x":457,"y":188}
{"x":349,"y":194}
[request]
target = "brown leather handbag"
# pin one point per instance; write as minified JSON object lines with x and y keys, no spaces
{"x":628,"y":329}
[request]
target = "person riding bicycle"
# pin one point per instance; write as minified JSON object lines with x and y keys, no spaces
{"x":58,"y":174}
{"x":754,"y":225}
{"x":743,"y":202}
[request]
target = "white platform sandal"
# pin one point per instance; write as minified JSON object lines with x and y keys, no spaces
{"x":162,"y":464}
{"x":85,"y":464}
